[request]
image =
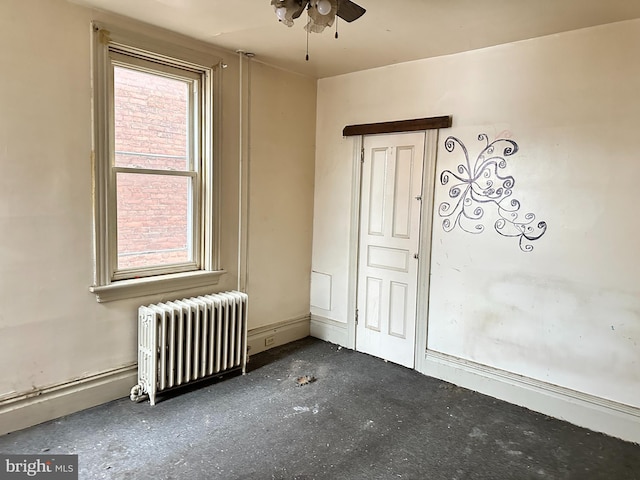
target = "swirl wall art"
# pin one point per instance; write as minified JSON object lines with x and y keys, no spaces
{"x":484,"y":185}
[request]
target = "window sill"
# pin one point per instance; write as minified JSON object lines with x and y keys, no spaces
{"x":141,"y":287}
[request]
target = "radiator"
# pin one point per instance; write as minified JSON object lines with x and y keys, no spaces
{"x":188,"y":340}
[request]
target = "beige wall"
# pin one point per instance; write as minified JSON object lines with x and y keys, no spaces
{"x":281,"y":170}
{"x":567,"y":313}
{"x":52,"y":330}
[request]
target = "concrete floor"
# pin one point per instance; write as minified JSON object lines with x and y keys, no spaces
{"x":362,"y":419}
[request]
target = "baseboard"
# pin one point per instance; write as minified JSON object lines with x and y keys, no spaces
{"x":277,"y":334}
{"x":25,"y":410}
{"x":31,"y":408}
{"x":329,"y":330}
{"x":597,"y":414}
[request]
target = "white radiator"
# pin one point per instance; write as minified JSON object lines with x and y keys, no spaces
{"x":191,"y":339}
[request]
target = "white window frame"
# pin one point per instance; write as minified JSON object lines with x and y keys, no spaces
{"x":109,"y":283}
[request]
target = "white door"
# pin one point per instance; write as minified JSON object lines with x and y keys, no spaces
{"x":391,"y":201}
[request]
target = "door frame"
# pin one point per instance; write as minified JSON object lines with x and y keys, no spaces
{"x":430,"y":126}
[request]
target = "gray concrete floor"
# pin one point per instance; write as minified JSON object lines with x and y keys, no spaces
{"x":362,"y":419}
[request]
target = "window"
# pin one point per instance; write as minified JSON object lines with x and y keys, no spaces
{"x":155,"y":209}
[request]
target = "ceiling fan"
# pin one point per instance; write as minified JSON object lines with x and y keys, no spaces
{"x":321,"y":13}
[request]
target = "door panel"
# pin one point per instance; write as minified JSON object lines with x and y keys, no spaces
{"x":372,"y":312}
{"x":402,"y":200}
{"x":388,"y":258}
{"x":389,"y":241}
{"x":377,"y":184}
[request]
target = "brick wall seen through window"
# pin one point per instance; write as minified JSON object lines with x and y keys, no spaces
{"x":151,"y":114}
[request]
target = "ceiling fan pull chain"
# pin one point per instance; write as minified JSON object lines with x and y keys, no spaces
{"x":336,"y":27}
{"x":307,"y":56}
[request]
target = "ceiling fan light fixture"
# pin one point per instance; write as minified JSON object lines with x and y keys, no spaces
{"x":281,"y":13}
{"x":319,"y":21}
{"x":323,"y":7}
{"x":287,"y":10}
{"x":320,"y":13}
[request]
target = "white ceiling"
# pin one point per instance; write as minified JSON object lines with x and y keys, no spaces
{"x":391,"y":31}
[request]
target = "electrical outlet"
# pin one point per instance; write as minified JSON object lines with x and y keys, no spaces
{"x":269,"y":341}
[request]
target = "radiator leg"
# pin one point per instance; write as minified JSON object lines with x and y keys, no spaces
{"x":245,"y":360}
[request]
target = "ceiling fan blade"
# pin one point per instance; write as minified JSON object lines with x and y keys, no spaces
{"x":349,"y":11}
{"x":303,"y":5}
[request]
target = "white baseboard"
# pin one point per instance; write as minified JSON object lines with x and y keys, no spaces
{"x":281,"y":333}
{"x":22,"y":411}
{"x":598,"y":414}
{"x":329,"y":330}
{"x":31,"y":408}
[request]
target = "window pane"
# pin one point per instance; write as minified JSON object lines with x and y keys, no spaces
{"x":151,"y":120}
{"x":153,"y":220}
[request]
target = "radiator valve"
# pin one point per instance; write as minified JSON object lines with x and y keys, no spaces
{"x":136,"y":393}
